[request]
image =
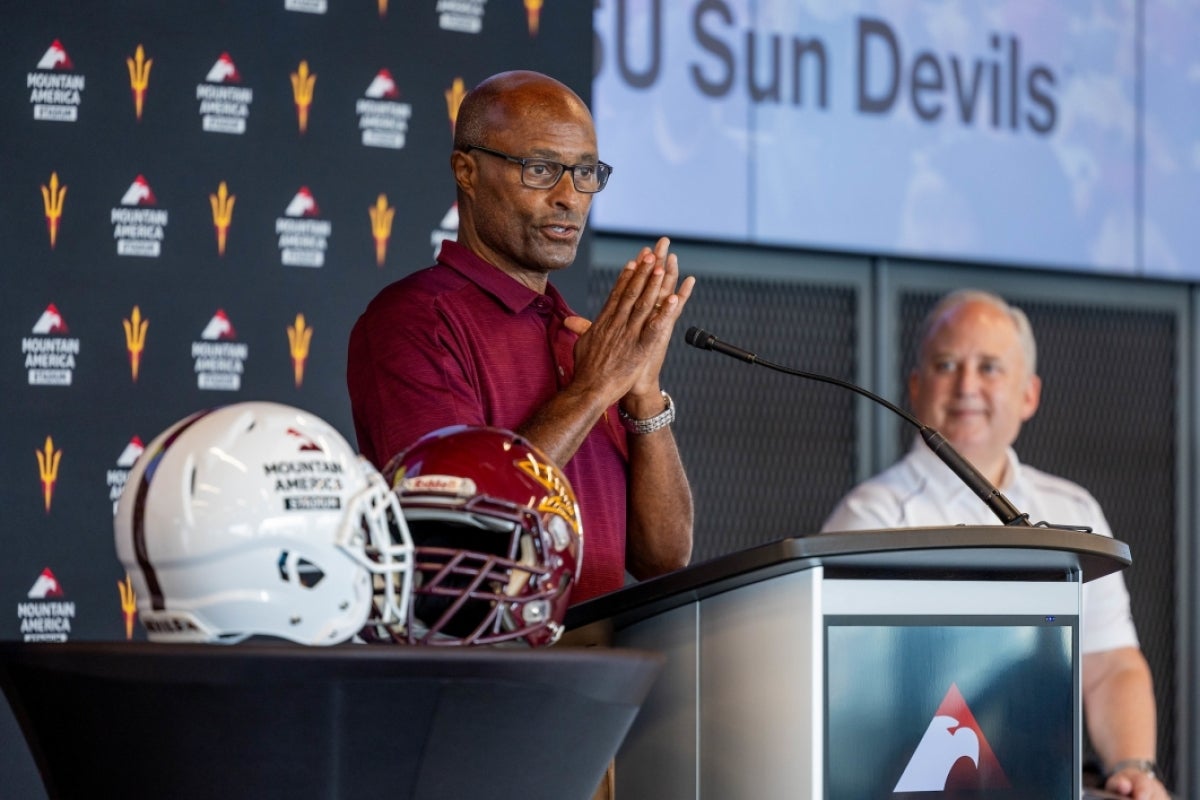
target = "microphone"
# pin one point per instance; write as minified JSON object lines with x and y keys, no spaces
{"x":964,"y":469}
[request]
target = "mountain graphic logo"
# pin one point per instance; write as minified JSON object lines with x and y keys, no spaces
{"x":131,"y":452}
{"x":383,"y":87}
{"x":139,"y":193}
{"x":45,"y":586}
{"x":55,"y":57}
{"x":219,"y":327}
{"x":953,"y":754}
{"x":50,"y":322}
{"x":224,"y":71}
{"x":302,"y":205}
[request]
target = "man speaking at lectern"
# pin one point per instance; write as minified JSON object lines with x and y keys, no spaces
{"x":976,"y":382}
{"x":484,"y":338}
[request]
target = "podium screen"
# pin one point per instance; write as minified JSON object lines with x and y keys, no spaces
{"x":966,"y":706}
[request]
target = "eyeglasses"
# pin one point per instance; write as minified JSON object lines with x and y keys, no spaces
{"x":542,"y":173}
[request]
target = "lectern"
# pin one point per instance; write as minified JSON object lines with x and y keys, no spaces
{"x":920,"y":662}
{"x":161,"y":721}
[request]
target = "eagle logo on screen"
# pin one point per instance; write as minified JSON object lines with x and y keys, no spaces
{"x":953,"y":753}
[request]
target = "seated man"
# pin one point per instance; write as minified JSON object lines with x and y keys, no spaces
{"x":976,"y":382}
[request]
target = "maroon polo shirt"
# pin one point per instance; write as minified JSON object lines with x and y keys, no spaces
{"x":462,"y":343}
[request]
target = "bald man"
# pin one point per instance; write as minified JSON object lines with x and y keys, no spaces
{"x":976,"y":383}
{"x":484,"y":338}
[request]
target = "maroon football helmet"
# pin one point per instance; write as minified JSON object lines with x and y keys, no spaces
{"x":498,"y":539}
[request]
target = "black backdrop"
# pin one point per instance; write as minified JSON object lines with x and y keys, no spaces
{"x":65,"y":307}
{"x":186,"y":292}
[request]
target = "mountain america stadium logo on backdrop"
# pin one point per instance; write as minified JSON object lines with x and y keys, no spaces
{"x":224,"y":102}
{"x":138,"y":225}
{"x":47,"y":615}
{"x":50,"y":353}
{"x":382,"y":118}
{"x":220,"y":360}
{"x":461,"y":16}
{"x":306,"y":6}
{"x":117,"y":476}
{"x":303,"y":235}
{"x":55,"y":89}
{"x":447,"y":229}
{"x":953,"y":754}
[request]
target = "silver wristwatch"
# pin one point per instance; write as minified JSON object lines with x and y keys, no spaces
{"x":650,"y":424}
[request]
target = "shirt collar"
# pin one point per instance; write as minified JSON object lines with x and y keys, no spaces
{"x":941,"y":481}
{"x":509,"y":292}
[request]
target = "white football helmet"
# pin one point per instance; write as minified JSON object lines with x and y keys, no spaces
{"x":259,"y":519}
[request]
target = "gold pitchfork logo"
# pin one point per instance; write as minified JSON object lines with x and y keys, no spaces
{"x":381,"y":226}
{"x":48,"y":461}
{"x":135,"y":339}
{"x":128,"y":604}
{"x":299,"y":337}
{"x":222,"y":211}
{"x":454,"y":98}
{"x":533,"y":14}
{"x":139,"y":77}
{"x":52,"y":201}
{"x":302,"y":91}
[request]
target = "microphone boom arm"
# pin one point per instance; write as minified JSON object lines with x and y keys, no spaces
{"x":964,"y":469}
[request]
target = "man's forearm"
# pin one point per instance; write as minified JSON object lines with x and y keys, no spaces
{"x":659,"y":537}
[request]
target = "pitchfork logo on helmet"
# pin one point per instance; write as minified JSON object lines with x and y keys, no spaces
{"x":259,"y":519}
{"x":498,"y":539}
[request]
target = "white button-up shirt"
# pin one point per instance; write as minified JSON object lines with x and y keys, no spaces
{"x":921,"y":491}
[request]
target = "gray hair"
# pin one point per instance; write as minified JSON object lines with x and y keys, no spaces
{"x":962,"y":297}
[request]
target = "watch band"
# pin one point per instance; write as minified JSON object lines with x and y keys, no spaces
{"x":1140,"y":764}
{"x":650,"y":424}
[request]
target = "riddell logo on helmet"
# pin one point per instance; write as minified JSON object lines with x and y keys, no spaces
{"x":953,"y":754}
{"x":164,"y":624}
{"x":440,"y":484}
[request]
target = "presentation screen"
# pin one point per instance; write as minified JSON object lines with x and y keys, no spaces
{"x":969,"y":706}
{"x":1047,"y":135}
